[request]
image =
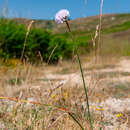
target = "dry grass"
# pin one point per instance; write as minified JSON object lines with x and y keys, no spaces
{"x":49,"y":97}
{"x":40,"y":105}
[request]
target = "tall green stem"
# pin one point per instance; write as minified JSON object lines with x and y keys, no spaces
{"x":82,"y":74}
{"x":85,"y":90}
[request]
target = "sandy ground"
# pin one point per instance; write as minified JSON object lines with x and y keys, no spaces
{"x":116,"y":102}
{"x":111,"y":82}
{"x":120,"y":72}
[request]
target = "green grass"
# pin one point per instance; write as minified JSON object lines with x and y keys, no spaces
{"x":126,"y":49}
{"x":118,"y":28}
{"x":84,"y":30}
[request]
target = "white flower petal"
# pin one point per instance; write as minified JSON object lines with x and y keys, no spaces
{"x":61,"y":16}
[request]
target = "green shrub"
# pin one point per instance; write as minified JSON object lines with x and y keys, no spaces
{"x":12,"y":37}
{"x":63,"y":49}
{"x":118,"y":28}
{"x":38,"y":41}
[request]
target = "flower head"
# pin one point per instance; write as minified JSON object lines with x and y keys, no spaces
{"x":62,"y":16}
{"x":53,"y":96}
{"x":119,"y":115}
{"x":100,"y":108}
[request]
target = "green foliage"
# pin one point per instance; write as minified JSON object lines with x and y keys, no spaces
{"x":125,"y":51}
{"x":12,"y":81}
{"x":12,"y":38}
{"x":115,"y":47}
{"x":118,"y":28}
{"x":62,"y":49}
{"x":38,"y":41}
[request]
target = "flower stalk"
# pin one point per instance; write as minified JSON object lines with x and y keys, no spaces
{"x":84,"y":85}
{"x":62,"y":17}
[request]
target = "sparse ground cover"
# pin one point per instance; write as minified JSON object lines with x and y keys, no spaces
{"x":108,"y":85}
{"x":41,"y":96}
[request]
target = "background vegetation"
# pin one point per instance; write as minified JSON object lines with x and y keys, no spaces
{"x":46,"y":35}
{"x":41,"y":96}
{"x":12,"y":37}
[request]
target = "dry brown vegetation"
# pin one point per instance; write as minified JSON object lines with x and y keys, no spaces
{"x":60,"y":88}
{"x":45,"y":97}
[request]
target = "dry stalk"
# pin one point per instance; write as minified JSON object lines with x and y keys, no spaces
{"x":94,"y":42}
{"x":100,"y":26}
{"x":52,"y":53}
{"x":58,"y":86}
{"x":52,"y":125}
{"x":27,"y":33}
{"x":92,"y":84}
{"x":22,"y":54}
{"x":28,"y":74}
{"x":35,"y":103}
{"x":41,"y":58}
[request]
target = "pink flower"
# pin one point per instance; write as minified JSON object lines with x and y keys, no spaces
{"x":62,"y":16}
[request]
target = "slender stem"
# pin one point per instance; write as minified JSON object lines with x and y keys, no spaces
{"x":52,"y":53}
{"x":84,"y":85}
{"x":68,"y":25}
{"x":27,"y":33}
{"x":70,"y":114}
{"x":100,"y":24}
{"x":85,"y":90}
{"x":22,"y":54}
